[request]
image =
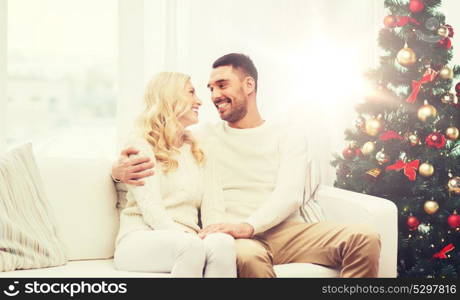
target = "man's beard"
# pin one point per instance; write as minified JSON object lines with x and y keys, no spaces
{"x":239,"y":111}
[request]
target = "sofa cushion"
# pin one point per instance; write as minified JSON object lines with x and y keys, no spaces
{"x":105,"y":268}
{"x":83,"y":196}
{"x":28,"y":232}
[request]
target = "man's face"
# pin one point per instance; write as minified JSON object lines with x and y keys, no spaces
{"x":227,"y":93}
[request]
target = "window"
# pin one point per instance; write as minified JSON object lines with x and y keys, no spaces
{"x":62,"y":74}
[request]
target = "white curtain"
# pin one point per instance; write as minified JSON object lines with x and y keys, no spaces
{"x":310,"y":55}
{"x":3,"y":71}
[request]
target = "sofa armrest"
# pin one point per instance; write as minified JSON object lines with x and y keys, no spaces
{"x":348,"y":207}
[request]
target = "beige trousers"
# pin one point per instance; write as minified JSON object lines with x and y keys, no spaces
{"x":355,"y":249}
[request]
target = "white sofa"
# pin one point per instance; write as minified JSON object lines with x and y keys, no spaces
{"x":83,"y":198}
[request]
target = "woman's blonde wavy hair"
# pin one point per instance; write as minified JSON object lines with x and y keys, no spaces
{"x":165,"y":101}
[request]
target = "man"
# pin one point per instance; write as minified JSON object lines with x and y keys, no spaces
{"x":263,"y":169}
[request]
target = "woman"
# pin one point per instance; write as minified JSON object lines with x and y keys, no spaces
{"x":159,"y":225}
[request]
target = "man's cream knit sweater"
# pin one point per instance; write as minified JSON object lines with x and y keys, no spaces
{"x":262,"y":169}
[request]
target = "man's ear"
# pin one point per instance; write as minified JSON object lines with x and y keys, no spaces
{"x":249,"y":85}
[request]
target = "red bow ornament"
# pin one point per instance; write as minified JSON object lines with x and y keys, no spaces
{"x":390,"y":135}
{"x":409,"y":168}
{"x":429,"y":76}
{"x":442,"y":254}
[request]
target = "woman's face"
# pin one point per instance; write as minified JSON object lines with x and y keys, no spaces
{"x":191,"y":116}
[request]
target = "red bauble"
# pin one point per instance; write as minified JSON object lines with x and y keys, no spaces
{"x":445,"y":43}
{"x":350,"y":153}
{"x":416,"y":6}
{"x":412,"y":223}
{"x":435,"y":140}
{"x":457,"y":88}
{"x":454,"y":220}
{"x":390,"y":21}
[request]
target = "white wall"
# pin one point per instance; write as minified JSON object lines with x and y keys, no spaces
{"x":451,"y":8}
{"x":310,"y":55}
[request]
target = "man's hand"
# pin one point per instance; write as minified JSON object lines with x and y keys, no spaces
{"x":131,"y":170}
{"x":238,"y":231}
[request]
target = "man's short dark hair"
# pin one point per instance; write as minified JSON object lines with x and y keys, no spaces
{"x":238,"y":61}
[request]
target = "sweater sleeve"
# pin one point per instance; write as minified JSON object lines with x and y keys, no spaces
{"x":148,"y":196}
{"x":212,"y":205}
{"x":287,"y":195}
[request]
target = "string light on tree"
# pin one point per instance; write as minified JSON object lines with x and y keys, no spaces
{"x":449,"y":98}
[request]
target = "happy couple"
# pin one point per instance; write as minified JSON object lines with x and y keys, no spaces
{"x":224,"y":200}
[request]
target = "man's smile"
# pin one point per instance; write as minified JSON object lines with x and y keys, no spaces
{"x":222,"y":104}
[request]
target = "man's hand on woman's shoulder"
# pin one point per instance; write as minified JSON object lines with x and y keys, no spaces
{"x":130,"y":168}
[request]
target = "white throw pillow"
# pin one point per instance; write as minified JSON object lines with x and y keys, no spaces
{"x":28,"y":232}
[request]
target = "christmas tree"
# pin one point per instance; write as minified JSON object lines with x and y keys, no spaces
{"x":405,"y":146}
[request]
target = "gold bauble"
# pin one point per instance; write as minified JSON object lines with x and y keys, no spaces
{"x":443,"y":31}
{"x":446,"y":73}
{"x":449,"y":98}
{"x":373,"y":127}
{"x":452,"y":133}
{"x":426,"y":111}
{"x":426,"y":170}
{"x":368,"y":148}
{"x":454,"y":185}
{"x":406,"y":57}
{"x":431,"y":207}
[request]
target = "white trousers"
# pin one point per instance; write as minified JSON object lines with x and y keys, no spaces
{"x":180,"y":253}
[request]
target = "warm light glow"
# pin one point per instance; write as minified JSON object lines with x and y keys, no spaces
{"x":327,"y":75}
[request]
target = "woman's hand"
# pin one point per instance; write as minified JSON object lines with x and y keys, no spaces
{"x":238,"y":231}
{"x":130,"y":170}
